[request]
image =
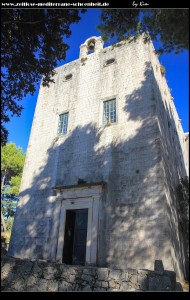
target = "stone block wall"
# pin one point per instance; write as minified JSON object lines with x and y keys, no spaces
{"x":37,"y":276}
{"x":124,"y":155}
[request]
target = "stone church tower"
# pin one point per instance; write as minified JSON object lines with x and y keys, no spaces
{"x":105,"y":155}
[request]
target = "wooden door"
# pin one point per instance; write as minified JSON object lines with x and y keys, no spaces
{"x":69,"y":237}
{"x":80,"y":235}
{"x":74,"y":250}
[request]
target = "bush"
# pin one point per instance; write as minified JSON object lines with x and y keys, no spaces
{"x":183,"y":211}
{"x":162,"y":70}
{"x":9,"y":224}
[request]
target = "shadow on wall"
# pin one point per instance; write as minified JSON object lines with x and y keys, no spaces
{"x":134,"y":202}
{"x":174,"y":169}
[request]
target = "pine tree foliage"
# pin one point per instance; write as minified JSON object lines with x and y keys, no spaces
{"x":32,"y":42}
{"x":169,"y":26}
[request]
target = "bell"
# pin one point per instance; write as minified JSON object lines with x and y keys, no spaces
{"x":91,"y":46}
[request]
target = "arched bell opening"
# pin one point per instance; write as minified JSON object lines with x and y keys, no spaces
{"x":91,"y":46}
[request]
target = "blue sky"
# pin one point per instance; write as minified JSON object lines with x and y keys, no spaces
{"x":176,"y":74}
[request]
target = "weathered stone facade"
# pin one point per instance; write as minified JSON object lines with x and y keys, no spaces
{"x":129,"y":169}
{"x":35,"y":276}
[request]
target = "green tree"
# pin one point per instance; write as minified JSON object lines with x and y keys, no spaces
{"x":32,"y":42}
{"x":12,"y":162}
{"x":169,"y":26}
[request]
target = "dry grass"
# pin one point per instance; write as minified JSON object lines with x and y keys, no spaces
{"x":6,"y":235}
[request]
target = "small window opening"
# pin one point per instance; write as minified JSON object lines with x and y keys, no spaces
{"x":68,"y":77}
{"x":110,"y":61}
